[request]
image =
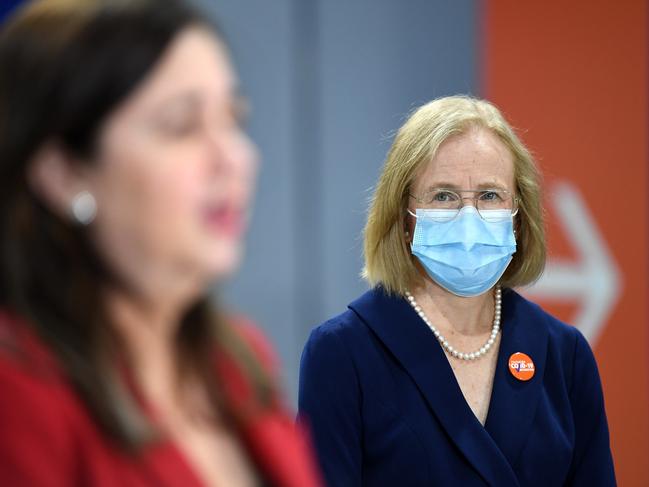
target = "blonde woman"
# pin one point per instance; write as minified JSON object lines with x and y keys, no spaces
{"x":442,"y":374}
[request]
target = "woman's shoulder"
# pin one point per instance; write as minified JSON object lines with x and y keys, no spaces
{"x":347,"y":325}
{"x":341,"y":325}
{"x":35,"y":405}
{"x":531,"y":313}
{"x":341,"y":343}
{"x":30,"y":375}
{"x":567,"y":340}
{"x":24,"y":356}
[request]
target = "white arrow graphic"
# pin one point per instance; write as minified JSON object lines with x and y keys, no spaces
{"x":594,"y":280}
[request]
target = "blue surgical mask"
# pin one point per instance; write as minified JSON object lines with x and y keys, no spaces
{"x":464,"y":253}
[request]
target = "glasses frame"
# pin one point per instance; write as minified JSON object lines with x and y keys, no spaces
{"x":458,"y":192}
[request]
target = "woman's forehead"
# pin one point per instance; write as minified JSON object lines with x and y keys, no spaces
{"x":195,"y":66}
{"x":471,"y":160}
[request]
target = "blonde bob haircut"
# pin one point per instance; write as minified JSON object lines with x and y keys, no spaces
{"x":388,"y":260}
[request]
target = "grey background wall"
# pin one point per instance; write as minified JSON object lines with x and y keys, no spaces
{"x":329,"y":82}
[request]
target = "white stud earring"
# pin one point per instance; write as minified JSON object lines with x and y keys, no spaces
{"x":84,"y":208}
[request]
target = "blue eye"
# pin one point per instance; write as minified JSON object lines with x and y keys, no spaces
{"x":490,"y":196}
{"x":444,"y":196}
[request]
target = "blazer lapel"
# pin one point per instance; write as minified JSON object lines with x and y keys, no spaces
{"x":514,"y":402}
{"x":402,"y":331}
{"x":282,"y":451}
{"x":280,"y":448}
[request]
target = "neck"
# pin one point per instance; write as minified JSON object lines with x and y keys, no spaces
{"x":148,"y":303}
{"x":137,"y":319}
{"x":148,"y":330}
{"x":468,"y":316}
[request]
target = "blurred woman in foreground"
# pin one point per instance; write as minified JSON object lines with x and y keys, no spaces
{"x":125,"y":185}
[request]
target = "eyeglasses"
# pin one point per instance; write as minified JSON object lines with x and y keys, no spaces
{"x":492,"y":204}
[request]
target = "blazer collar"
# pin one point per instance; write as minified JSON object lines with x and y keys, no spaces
{"x":281,"y":449}
{"x":402,"y":331}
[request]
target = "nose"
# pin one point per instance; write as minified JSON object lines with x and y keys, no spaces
{"x":233,"y":163}
{"x":232,"y":151}
{"x":472,"y":200}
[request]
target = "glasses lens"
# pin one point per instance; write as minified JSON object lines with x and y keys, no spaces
{"x":495,"y":215}
{"x":444,"y":204}
{"x":495,"y":205}
{"x":442,"y":199}
{"x":495,"y":199}
{"x":437,"y":215}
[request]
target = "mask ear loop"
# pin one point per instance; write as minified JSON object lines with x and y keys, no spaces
{"x":514,"y":215}
{"x":406,"y":232}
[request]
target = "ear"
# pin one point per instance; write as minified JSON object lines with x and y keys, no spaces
{"x":517,"y":225}
{"x":55,"y":179}
{"x":409,"y":226}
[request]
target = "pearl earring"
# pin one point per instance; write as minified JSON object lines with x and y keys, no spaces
{"x":84,"y":208}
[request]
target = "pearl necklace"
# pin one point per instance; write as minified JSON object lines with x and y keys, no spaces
{"x":444,"y":342}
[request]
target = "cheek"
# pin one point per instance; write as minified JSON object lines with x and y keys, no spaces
{"x":175,"y":193}
{"x":167,"y":192}
{"x":149,"y":203}
{"x":170,"y":205}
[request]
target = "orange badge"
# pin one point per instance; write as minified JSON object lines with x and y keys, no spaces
{"x":521,"y":366}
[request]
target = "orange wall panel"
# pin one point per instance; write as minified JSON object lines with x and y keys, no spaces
{"x":573,"y":77}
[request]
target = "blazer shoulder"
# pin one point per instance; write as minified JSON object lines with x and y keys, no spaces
{"x":345,"y":324}
{"x":26,"y":386}
{"x":336,"y":344}
{"x":352,"y":323}
{"x":530,"y":312}
{"x":37,"y":409}
{"x":567,"y":346}
{"x":344,"y":334}
{"x":24,"y":356}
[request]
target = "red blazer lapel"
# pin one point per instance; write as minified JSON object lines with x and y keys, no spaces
{"x":280,"y":447}
{"x":282,"y":451}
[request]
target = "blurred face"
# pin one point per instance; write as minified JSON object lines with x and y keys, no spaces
{"x":175,"y":171}
{"x":474,"y":160}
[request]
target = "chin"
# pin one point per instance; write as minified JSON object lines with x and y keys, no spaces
{"x":223,"y":259}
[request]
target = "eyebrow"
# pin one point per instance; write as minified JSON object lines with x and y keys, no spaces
{"x":178,"y":100}
{"x":481,"y":186}
{"x":239,"y":104}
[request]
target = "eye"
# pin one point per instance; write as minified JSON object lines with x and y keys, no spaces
{"x":181,"y":126}
{"x":180,"y":117}
{"x":444,"y":196}
{"x":491,"y":196}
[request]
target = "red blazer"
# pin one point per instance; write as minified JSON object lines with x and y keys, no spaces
{"x":49,"y":439}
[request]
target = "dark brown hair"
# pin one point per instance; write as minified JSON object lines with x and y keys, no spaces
{"x":65,"y":66}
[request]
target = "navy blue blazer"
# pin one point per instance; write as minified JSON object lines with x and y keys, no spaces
{"x":385,"y":409}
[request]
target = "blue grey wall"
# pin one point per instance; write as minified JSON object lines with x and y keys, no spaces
{"x":330,"y":81}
